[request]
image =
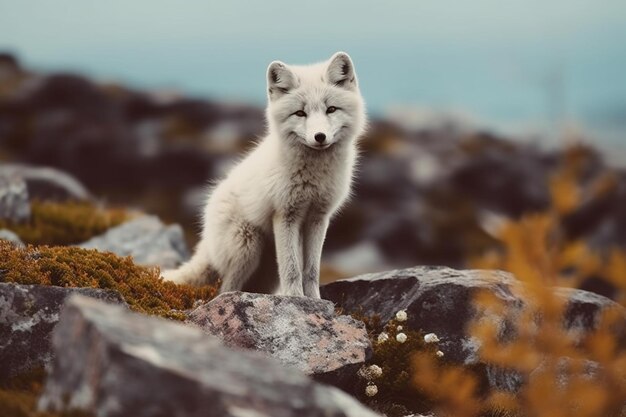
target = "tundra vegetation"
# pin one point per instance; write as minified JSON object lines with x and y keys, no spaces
{"x":65,"y":223}
{"x":406,"y":374}
{"x":565,"y":375}
{"x":548,"y":237}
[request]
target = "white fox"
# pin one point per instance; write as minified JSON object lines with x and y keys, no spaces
{"x":273,"y":208}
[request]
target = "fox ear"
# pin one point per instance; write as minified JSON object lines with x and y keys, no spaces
{"x":280,"y":80}
{"x":340,"y":71}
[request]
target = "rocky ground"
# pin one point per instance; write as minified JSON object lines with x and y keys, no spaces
{"x":423,"y":195}
{"x":87,"y":327}
{"x":78,"y":324}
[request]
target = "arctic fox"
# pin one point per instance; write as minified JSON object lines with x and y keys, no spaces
{"x":271,"y":212}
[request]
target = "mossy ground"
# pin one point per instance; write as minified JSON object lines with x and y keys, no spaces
{"x":141,"y":287}
{"x":66,"y":223}
{"x":397,"y":394}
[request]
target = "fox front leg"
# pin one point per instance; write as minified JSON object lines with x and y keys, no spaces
{"x":314,"y":233}
{"x":289,"y":252}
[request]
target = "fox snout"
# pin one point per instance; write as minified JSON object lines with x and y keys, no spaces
{"x":320,"y":138}
{"x":321,"y":141}
{"x":318,"y":130}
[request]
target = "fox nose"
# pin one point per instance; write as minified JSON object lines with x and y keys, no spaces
{"x":320,"y":137}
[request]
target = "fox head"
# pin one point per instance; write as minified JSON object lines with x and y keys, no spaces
{"x":317,"y":105}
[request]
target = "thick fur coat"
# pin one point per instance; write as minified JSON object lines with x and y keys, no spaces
{"x":264,"y":225}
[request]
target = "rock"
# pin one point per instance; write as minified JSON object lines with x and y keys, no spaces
{"x":47,"y":183}
{"x":429,"y":295}
{"x":116,"y":363}
{"x":6,"y":234}
{"x":521,"y":183}
{"x":298,"y":331}
{"x":439,"y":300}
{"x":28,"y":314}
{"x":146,"y":239}
{"x":361,"y":258}
{"x":14,"y":204}
{"x":600,"y":218}
{"x":562,"y":369}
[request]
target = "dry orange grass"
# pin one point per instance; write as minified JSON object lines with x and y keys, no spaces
{"x":141,"y":287}
{"x":567,"y":374}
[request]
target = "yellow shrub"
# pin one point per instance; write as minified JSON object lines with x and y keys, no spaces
{"x":566,"y":374}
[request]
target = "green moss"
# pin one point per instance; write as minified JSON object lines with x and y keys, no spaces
{"x":141,"y":287}
{"x":398,"y":395}
{"x":66,"y":223}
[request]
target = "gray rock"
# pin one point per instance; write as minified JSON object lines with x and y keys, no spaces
{"x":298,"y":331}
{"x":146,"y":239}
{"x":46,"y":183}
{"x":562,"y":369}
{"x":115,"y":363}
{"x":439,"y":300}
{"x":14,"y":203}
{"x":431,"y":296}
{"x":6,"y":234}
{"x":28,"y":314}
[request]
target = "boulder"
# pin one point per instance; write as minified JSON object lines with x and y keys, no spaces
{"x":112,"y":362}
{"x":14,"y":203}
{"x":46,"y":183}
{"x":439,"y":300}
{"x":146,"y":239}
{"x":6,"y":234}
{"x":28,"y":314}
{"x":519,"y":187}
{"x":298,"y":331}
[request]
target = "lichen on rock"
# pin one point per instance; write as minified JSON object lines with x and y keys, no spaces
{"x":301,"y":332}
{"x":28,"y":314}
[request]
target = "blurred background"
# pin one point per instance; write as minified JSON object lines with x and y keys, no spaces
{"x":492,"y":123}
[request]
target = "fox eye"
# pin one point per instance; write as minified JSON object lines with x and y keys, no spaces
{"x":331,"y":109}
{"x":300,"y":113}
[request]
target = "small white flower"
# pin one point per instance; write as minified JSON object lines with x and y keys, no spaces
{"x":383,"y":337}
{"x":399,"y":328}
{"x":401,"y":337}
{"x":401,"y":315}
{"x":439,"y":354}
{"x":375,"y":371}
{"x":431,"y":338}
{"x":371,"y":390}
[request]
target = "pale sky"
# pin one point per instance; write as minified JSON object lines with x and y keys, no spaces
{"x":487,"y":57}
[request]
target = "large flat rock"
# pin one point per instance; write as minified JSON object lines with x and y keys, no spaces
{"x":115,"y":363}
{"x":298,"y":331}
{"x":440,"y":300}
{"x":28,"y":314}
{"x":436,"y":300}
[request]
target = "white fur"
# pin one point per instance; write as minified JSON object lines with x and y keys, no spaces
{"x":286,"y":190}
